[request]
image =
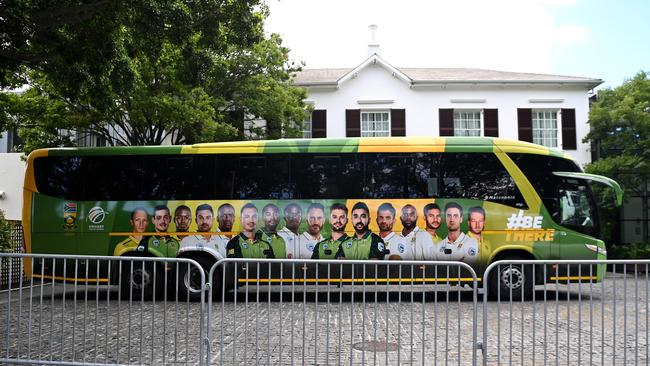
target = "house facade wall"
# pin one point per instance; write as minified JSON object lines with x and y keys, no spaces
{"x":12,"y":171}
{"x":375,"y":88}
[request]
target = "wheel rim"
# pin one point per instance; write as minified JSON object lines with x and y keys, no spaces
{"x":140,"y":279}
{"x":512,"y":278}
{"x":192,"y":280}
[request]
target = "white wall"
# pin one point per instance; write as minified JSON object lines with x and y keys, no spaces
{"x":4,"y":141}
{"x":12,"y":171}
{"x":422,"y":103}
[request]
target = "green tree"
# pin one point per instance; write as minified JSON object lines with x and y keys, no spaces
{"x":5,"y":234}
{"x":620,"y":130}
{"x":144,"y":72}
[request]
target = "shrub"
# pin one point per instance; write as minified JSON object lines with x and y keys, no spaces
{"x":5,"y":234}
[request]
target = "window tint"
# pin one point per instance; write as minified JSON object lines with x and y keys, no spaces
{"x":263,"y":177}
{"x":59,"y":176}
{"x":538,"y":169}
{"x":179,"y":177}
{"x":478,"y":176}
{"x":329,"y":175}
{"x":400,"y":175}
{"x":114,"y":178}
{"x":277,"y":176}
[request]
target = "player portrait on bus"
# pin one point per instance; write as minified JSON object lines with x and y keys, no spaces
{"x":364,"y":244}
{"x":433,"y":220}
{"x":271,"y":218}
{"x":225,"y":221}
{"x":182,"y":220}
{"x":457,"y":246}
{"x":292,"y":219}
{"x":329,"y":247}
{"x":385,"y":221}
{"x":139,"y":220}
{"x":308,"y":239}
{"x":162,"y":244}
{"x":249,"y":243}
{"x":204,"y":224}
{"x":476,"y":221}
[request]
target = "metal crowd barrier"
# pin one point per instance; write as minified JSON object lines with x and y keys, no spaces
{"x":63,"y":311}
{"x":574,"y":319}
{"x":341,"y":312}
{"x":66,"y":311}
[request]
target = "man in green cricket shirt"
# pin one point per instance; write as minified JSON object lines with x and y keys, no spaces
{"x":269,"y":232}
{"x":162,"y":244}
{"x":328,"y":248}
{"x":364,"y":244}
{"x":249,"y":243}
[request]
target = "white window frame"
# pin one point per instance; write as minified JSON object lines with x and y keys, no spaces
{"x":558,"y":126}
{"x":307,"y":133}
{"x":481,"y":121}
{"x":367,"y":132}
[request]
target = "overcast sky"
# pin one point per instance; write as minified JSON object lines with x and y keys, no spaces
{"x":605,"y":39}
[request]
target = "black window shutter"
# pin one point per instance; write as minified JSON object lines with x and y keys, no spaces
{"x":319,"y":123}
{"x":398,"y":122}
{"x":446,"y":122}
{"x":525,"y":121}
{"x":491,"y":121}
{"x":569,"y":129}
{"x":353,"y":122}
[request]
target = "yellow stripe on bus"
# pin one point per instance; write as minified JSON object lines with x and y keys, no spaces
{"x":573,"y":278}
{"x":60,"y":278}
{"x":368,"y":281}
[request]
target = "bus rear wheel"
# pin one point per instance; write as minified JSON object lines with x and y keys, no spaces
{"x":189,"y":285}
{"x":141,"y":280}
{"x":511,"y":282}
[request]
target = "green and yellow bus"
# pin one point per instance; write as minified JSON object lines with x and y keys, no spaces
{"x":470,"y":199}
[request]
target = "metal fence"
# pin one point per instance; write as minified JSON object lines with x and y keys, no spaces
{"x":16,"y":244}
{"x":577,"y":317}
{"x":280,"y":312}
{"x":76,"y":316}
{"x":329,"y":312}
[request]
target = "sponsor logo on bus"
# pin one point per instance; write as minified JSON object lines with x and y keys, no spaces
{"x":96,"y":217}
{"x":529,"y":228}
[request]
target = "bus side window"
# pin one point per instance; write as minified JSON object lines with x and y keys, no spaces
{"x":118,"y":177}
{"x":59,"y":176}
{"x":478,"y":176}
{"x":576,"y":210}
{"x":264,"y":177}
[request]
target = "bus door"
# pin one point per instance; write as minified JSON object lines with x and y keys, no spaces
{"x":578,"y":216}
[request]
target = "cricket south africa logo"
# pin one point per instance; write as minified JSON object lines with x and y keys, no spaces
{"x":96,"y":215}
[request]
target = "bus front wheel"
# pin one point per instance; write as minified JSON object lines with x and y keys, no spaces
{"x":511,"y":282}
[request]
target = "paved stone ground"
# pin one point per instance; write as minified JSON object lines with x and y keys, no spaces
{"x":577,"y":324}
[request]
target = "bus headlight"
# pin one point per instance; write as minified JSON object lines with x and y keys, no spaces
{"x":595,"y":248}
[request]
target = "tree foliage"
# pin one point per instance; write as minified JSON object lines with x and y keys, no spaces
{"x":143,"y":72}
{"x":620,"y":130}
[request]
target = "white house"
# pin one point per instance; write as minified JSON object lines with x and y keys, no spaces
{"x":379,"y":99}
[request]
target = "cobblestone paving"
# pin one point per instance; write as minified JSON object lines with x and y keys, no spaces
{"x":577,"y":324}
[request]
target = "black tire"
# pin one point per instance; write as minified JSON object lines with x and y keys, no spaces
{"x":189,"y":280}
{"x":141,"y":280}
{"x":511,"y":282}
